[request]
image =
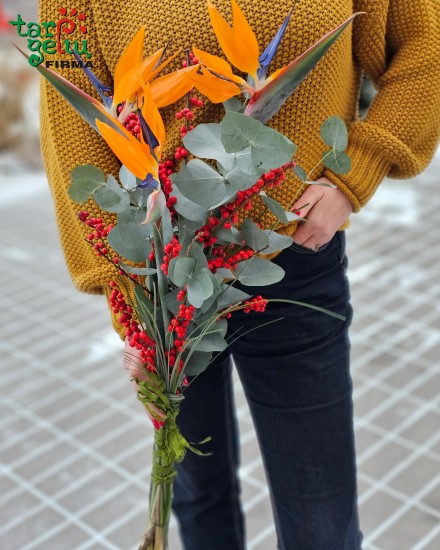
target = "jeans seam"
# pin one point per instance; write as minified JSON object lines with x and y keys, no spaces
{"x":230,"y":446}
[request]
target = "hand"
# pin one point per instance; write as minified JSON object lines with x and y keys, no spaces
{"x":132,"y":362}
{"x":326,"y":210}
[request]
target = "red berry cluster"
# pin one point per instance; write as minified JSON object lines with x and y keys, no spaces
{"x":186,"y":113}
{"x":179,"y":324}
{"x":181,"y":295}
{"x":180,"y":153}
{"x":257,"y":303}
{"x":146,"y":346}
{"x":100,"y":231}
{"x":166,"y":168}
{"x":228,"y":212}
{"x":204,"y":233}
{"x":137,"y":338}
{"x":120,"y":306}
{"x":132,"y":124}
{"x":192,"y":60}
{"x":184,"y":130}
{"x":228,"y":263}
{"x":172,"y":250}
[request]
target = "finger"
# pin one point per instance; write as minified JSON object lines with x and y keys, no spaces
{"x":132,"y":362}
{"x":303,"y":233}
{"x":307,"y":201}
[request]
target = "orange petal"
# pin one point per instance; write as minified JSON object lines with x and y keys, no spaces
{"x":218,"y":65}
{"x":273,"y":76}
{"x":170,"y":88}
{"x":213,"y":87}
{"x":131,"y":56}
{"x":239,"y":43}
{"x":152,"y":117}
{"x":128,"y":86}
{"x":164,"y":64}
{"x":129,"y":151}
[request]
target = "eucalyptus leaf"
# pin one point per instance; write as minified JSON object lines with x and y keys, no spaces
{"x":254,"y":237}
{"x":129,"y":237}
{"x":127,"y":179}
{"x":275,"y":207}
{"x":170,"y":300}
{"x":233,"y":104}
{"x":276,"y":241}
{"x":187,"y":208}
{"x":200,"y":286}
{"x":137,"y":270}
{"x":337,"y":162}
{"x":212,"y":341}
{"x":238,"y":131}
{"x":199,"y":256}
{"x":271,"y":149}
{"x":258,"y":272}
{"x":167,"y":226}
{"x":205,"y":142}
{"x":212,"y":301}
{"x":85,"y":181}
{"x":140,"y":196}
{"x":230,"y":296}
{"x":300,"y":172}
{"x":225,"y":273}
{"x":200,"y":183}
{"x":111,"y":197}
{"x":197,"y":363}
{"x":187,"y":229}
{"x":231,"y":235}
{"x":180,"y":269}
{"x":334,"y":133}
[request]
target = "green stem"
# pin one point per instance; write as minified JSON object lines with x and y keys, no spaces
{"x":162,"y":282}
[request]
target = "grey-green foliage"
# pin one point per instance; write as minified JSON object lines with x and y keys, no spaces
{"x":111,"y":197}
{"x":130,"y":238}
{"x":243,"y":148}
{"x":200,"y":183}
{"x":258,"y":272}
{"x":253,"y":236}
{"x":334,"y":134}
{"x":85,"y":181}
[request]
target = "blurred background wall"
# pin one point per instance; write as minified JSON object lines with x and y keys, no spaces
{"x":19,"y":83}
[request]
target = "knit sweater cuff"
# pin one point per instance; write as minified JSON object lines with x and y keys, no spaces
{"x":367,"y":149}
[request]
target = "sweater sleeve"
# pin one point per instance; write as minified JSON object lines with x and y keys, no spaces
{"x":400,"y":133}
{"x":68,"y":141}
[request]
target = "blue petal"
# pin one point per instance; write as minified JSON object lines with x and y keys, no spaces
{"x":148,"y":183}
{"x":97,"y":84}
{"x":269,"y":53}
{"x":148,"y":135}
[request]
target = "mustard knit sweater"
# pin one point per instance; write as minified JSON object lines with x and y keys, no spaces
{"x":396,"y":44}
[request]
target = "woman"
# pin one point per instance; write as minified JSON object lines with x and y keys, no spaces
{"x":295,"y":372}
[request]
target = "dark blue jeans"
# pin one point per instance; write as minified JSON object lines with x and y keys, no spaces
{"x":296,"y":376}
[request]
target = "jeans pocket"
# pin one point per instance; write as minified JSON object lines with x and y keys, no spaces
{"x":304,"y":250}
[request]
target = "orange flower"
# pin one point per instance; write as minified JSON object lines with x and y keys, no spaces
{"x":265,"y":96}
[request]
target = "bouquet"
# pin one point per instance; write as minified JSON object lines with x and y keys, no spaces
{"x":184,"y":233}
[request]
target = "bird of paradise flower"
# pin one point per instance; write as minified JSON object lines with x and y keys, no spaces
{"x":265,"y":95}
{"x":136,"y":90}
